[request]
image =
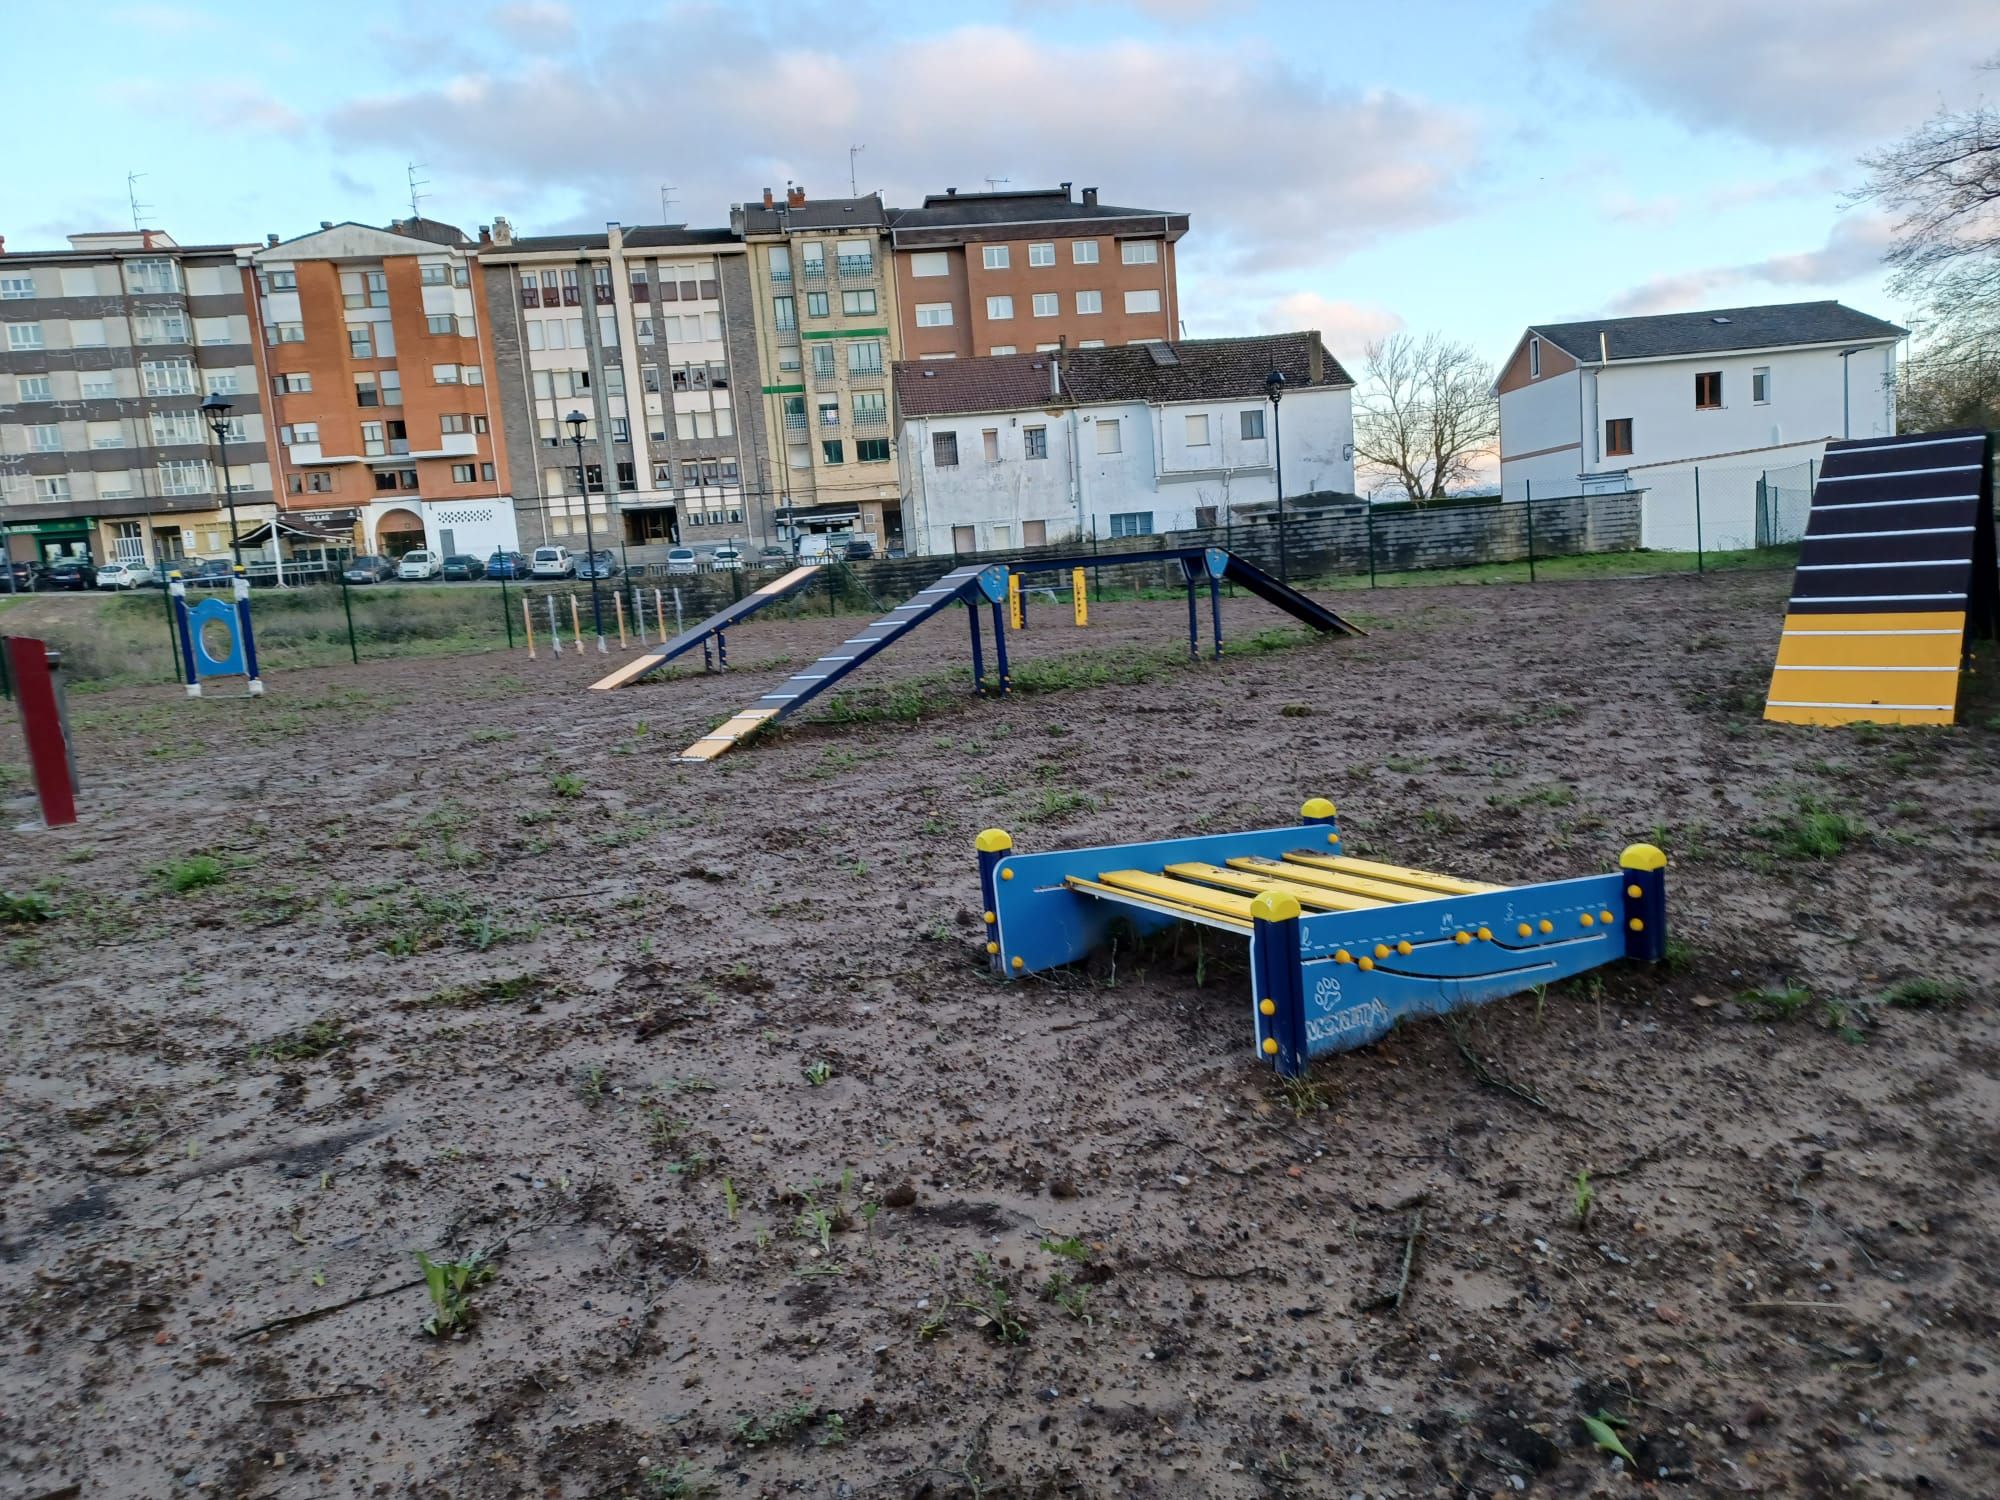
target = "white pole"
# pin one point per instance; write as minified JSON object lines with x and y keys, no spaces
{"x":680,"y":628}
{"x":555,"y":630}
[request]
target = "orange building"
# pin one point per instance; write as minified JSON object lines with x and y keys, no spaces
{"x":378,"y":376}
{"x":1011,"y":273}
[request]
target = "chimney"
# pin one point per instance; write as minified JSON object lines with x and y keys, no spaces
{"x":1055,"y":367}
{"x":1067,"y":194}
{"x":503,"y":231}
{"x":3,"y":244}
{"x":768,"y":199}
{"x":1090,"y":197}
{"x":270,"y":241}
{"x":328,"y":224}
{"x":614,"y":236}
{"x":1315,"y":358}
{"x":795,"y":196}
{"x":485,"y":234}
{"x":951,"y":192}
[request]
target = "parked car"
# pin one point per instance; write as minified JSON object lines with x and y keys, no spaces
{"x":207,"y":572}
{"x":727,"y":559}
{"x":420,"y":563}
{"x":859,"y":549}
{"x":71,"y":573}
{"x":814,"y":547}
{"x":681,"y":560}
{"x":459,"y":567}
{"x":773,"y":559}
{"x":599,"y":564}
{"x":507,"y":565}
{"x":553,"y":562}
{"x":370,"y":569}
{"x":123,"y":575}
{"x":25,"y":575}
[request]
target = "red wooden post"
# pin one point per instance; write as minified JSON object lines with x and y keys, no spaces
{"x":41,"y":723}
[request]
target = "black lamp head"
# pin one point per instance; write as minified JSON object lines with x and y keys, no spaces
{"x":576,"y":419}
{"x":1274,"y":383}
{"x":217,"y":407}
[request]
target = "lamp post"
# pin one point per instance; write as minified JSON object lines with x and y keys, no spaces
{"x":576,"y":420}
{"x":215,"y":411}
{"x":1274,"y":386}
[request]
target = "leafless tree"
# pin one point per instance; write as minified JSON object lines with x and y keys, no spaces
{"x":1425,"y":414}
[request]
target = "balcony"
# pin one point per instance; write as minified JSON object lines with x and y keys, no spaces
{"x":857,"y":267}
{"x":872,"y":375}
{"x":786,"y":336}
{"x":876,"y":417}
{"x":795,"y":421}
{"x":831,"y":419}
{"x":782,"y":278}
{"x":814,"y":272}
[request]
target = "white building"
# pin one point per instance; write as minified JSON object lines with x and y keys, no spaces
{"x":1749,"y":396}
{"x":1028,"y":449}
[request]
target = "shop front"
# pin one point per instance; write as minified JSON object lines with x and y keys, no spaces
{"x":53,"y":540}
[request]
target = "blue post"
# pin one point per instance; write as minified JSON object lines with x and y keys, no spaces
{"x":1215,"y":612}
{"x":1645,"y":870}
{"x":978,"y":655}
{"x":1000,"y":645}
{"x":722,"y":649}
{"x":994,"y":844}
{"x":1194,"y":620}
{"x":1275,"y":960}
{"x":179,"y":591}
{"x":255,"y":686}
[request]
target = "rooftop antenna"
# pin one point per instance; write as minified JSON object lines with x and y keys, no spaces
{"x":666,"y":202}
{"x":132,"y":196}
{"x":853,"y":183}
{"x":415,"y":183}
{"x":993,"y":183}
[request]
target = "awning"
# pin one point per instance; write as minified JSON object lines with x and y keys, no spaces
{"x":297,"y":531}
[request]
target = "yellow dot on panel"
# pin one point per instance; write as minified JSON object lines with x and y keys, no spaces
{"x":1605,"y":916}
{"x":1636,"y":925}
{"x":1381,"y":950}
{"x":1546,"y":925}
{"x":991,"y":919}
{"x":1589,"y":920}
{"x":1634,"y":892}
{"x":1270,"y":1046}
{"x":1486,"y":934}
{"x":1525,"y":930}
{"x":1267,"y":1007}
{"x":992,"y":947}
{"x":1342,"y":956}
{"x":1367,"y":963}
{"x":1006,"y":874}
{"x":1018,"y":963}
{"x":1404,"y":948}
{"x":1461,"y":937}
{"x":1333,"y":838}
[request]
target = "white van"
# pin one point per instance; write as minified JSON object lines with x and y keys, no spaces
{"x":553,"y":562}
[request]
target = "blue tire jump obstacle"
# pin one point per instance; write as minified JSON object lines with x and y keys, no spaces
{"x":1341,"y":949}
{"x":239,"y":659}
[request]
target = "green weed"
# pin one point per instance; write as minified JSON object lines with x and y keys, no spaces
{"x":449,"y":1284}
{"x":315,"y":1039}
{"x":18,"y":911}
{"x":566,"y":784}
{"x":756,"y":1431}
{"x":1583,"y":1198}
{"x":1775,"y":1005}
{"x":1812,"y":831}
{"x":818,"y":1072}
{"x":1925,"y":994}
{"x":680,"y":1482}
{"x":191,"y":874}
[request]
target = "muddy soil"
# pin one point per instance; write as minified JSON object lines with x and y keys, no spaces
{"x":781,"y":1193}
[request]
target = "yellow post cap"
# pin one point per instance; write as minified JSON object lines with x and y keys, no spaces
{"x":994,"y":841}
{"x":1642,"y":857}
{"x":1274,"y":906}
{"x":1317,"y":807}
{"x":1018,"y":963}
{"x":1270,"y":1046}
{"x":1461,"y":937}
{"x":1267,"y":1007}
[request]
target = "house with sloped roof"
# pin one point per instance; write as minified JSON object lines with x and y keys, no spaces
{"x":1025,"y":449}
{"x":1741,"y":393}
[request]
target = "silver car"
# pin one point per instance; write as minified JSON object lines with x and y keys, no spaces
{"x":123,"y":575}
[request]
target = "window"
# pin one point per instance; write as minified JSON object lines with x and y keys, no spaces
{"x":463,"y":473}
{"x":451,"y":422}
{"x":933,"y":315}
{"x":221,"y":382}
{"x":1090,"y":343}
{"x":167,"y":377}
{"x":471,"y":375}
{"x":1089,"y":303}
{"x":999,"y":309}
{"x":152,"y":276}
{"x":171,"y":428}
{"x":1143,"y":302}
{"x":284,"y":333}
{"x":45,"y":437}
{"x":813,"y":254}
{"x":994,"y":257}
{"x":1035,"y":442}
{"x":857,"y":303}
{"x":871,"y":409}
{"x":831,"y":452}
{"x":621,"y":430}
{"x":1110,"y":436}
{"x":282,"y":281}
{"x":184,"y":476}
{"x":871,"y":450}
{"x":300,"y":432}
{"x":366,"y":391}
{"x":444,"y":374}
{"x":441,"y":323}
{"x":87,"y":333}
{"x":361,"y":340}
{"x":1047,"y":304}
{"x":999,"y":349}
{"x":295,"y":383}
{"x":20,"y":288}
{"x":311,"y":482}
{"x":437,"y":275}
{"x":1708,"y":390}
{"x":160,"y":328}
{"x":614,"y":380}
{"x":1760,"y":385}
{"x":964,"y":538}
{"x":1083,"y":252}
{"x":1042,"y":255}
{"x":990,"y":441}
{"x":1251,"y":422}
{"x":817,"y":305}
{"x":930,"y":263}
{"x":24,"y":336}
{"x":784,"y":312}
{"x":1132,"y":523}
{"x":643,"y":327}
{"x":35,"y":388}
{"x":1140,"y":252}
{"x":864,"y":357}
{"x":1534,"y":359}
{"x":530,"y":295}
{"x":100,"y":386}
{"x":56,"y":487}
{"x":829,"y":414}
{"x":1197,"y":429}
{"x":106,"y":434}
{"x":600,"y":283}
{"x":944,"y":450}
{"x":1618,"y":435}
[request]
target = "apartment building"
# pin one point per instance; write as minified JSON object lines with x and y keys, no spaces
{"x":106,"y":350}
{"x":826,"y":336}
{"x":373,"y":350}
{"x":1006,"y":273}
{"x":648,"y":331}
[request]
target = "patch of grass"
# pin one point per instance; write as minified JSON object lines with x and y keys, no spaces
{"x":1059,"y":804}
{"x":194,"y":873}
{"x":1583,"y":1198}
{"x":680,"y":1482}
{"x":1925,"y":994}
{"x":566,"y":784}
{"x":1555,"y":794}
{"x":449,"y":1284}
{"x":315,"y":1039}
{"x":1776,"y":1005}
{"x":993,"y":1309}
{"x":1812,"y":831}
{"x":818,"y":1072}
{"x":486,"y":992}
{"x":19,"y":911}
{"x":757,"y":1431}
{"x":1295,"y":711}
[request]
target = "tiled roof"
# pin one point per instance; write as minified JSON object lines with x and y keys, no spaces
{"x":637,"y":237}
{"x":1717,"y":330}
{"x":1196,"y":370}
{"x":970,"y":210}
{"x":816,"y":213}
{"x":434,"y":230}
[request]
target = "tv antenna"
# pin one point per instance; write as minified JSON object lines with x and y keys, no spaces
{"x":666,"y":201}
{"x":993,"y":184}
{"x":853,"y":182}
{"x":132,"y":197}
{"x":417,"y":182}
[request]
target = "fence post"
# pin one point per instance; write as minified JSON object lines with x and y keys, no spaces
{"x":1699,"y":565}
{"x":347,"y":604}
{"x":1528,"y":489}
{"x":1371,"y":541}
{"x":507,"y":613}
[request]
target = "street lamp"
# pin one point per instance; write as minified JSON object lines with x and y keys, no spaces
{"x":1274,"y":387}
{"x":215,"y":411}
{"x":576,"y":420}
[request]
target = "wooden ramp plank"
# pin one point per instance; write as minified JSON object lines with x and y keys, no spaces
{"x":1129,"y":896}
{"x":1248,"y":883}
{"x":1423,"y":880}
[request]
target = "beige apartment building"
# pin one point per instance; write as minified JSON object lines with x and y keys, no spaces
{"x":826,"y":326}
{"x":1011,"y":273}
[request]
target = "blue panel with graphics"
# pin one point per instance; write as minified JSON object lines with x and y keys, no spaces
{"x":206,"y":664}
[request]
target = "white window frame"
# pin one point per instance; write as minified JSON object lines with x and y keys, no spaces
{"x":1116,"y":443}
{"x":1760,"y":381}
{"x":1139,"y":252}
{"x":925,"y":263}
{"x":1534,"y":359}
{"x":1042,"y":253}
{"x":35,"y":388}
{"x":1089,"y":304}
{"x":993,"y":257}
{"x":999,"y":309}
{"x":1083,"y":252}
{"x":24,"y":338}
{"x":17,"y":288}
{"x":1136,"y":299}
{"x":1048,"y":304}
{"x":1196,"y":422}
{"x":934,"y":315}
{"x":45,"y":437}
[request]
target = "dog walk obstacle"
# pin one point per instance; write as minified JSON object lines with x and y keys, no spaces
{"x":1341,"y":949}
{"x":993,"y":585}
{"x":1896,"y":576}
{"x":711,"y":631}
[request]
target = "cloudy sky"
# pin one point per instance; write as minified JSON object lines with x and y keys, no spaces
{"x":1464,"y":166}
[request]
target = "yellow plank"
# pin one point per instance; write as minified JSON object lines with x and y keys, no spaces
{"x":1251,"y":884}
{"x":744,"y":724}
{"x":1330,"y":880}
{"x":1782,"y":713}
{"x":1164,"y":904}
{"x":1929,"y":687}
{"x":1914,"y":619}
{"x":626,"y":673}
{"x":1423,"y":880}
{"x":1180,"y":892}
{"x":779,"y":585}
{"x":1889,"y":650}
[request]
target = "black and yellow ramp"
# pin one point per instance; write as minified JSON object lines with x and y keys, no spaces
{"x":1896,"y":577}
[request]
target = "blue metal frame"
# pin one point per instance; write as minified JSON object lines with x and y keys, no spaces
{"x":714,"y":626}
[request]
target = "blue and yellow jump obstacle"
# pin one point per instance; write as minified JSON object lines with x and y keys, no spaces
{"x":1341,"y":949}
{"x":191,"y":622}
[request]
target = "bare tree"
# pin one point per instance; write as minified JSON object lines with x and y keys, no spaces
{"x":1425,"y":414}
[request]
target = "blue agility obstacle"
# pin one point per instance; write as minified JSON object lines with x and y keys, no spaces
{"x":976,"y":587}
{"x":198,"y":661}
{"x":1341,"y":949}
{"x":713,"y":630}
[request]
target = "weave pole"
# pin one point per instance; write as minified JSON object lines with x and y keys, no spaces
{"x":528,"y":624}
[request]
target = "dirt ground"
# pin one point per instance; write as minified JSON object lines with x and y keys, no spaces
{"x":782,"y":1193}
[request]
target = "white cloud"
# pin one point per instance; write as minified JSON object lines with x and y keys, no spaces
{"x":220,"y":106}
{"x":536,"y":23}
{"x":163,"y":20}
{"x":1347,"y":328}
{"x":1837,"y":72}
{"x":1852,"y":250}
